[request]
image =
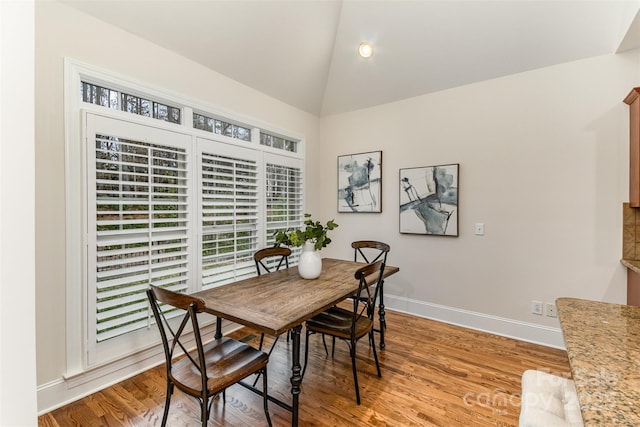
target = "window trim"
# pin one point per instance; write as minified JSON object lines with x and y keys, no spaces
{"x":76,"y":233}
{"x":101,"y":351}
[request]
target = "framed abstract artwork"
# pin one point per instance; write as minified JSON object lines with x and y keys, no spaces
{"x":360,"y":182}
{"x":429,"y":200}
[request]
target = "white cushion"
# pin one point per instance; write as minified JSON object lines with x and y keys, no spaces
{"x":548,"y":401}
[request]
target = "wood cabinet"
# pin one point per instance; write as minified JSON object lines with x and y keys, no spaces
{"x":633,"y":288}
{"x":633,"y":100}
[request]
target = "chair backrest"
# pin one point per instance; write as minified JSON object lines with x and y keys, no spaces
{"x":369,"y":278}
{"x":370,"y":250}
{"x":172,"y":339}
{"x":271,"y":265}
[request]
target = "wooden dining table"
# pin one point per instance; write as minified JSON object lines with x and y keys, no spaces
{"x":280,"y":301}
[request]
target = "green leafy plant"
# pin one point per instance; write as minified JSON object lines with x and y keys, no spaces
{"x":313,"y":231}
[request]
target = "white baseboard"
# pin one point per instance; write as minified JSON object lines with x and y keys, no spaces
{"x":523,"y":331}
{"x":60,"y":392}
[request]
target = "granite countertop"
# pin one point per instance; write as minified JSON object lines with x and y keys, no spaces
{"x":631,"y":264}
{"x":603,"y":345}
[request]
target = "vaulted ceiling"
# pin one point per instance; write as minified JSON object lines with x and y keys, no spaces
{"x":304,"y":52}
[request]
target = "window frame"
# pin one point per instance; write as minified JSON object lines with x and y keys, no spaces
{"x":101,"y":350}
{"x":76,"y":192}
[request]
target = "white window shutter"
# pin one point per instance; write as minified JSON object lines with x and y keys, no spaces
{"x":229,"y":213}
{"x":138,"y":221}
{"x":284,"y":197}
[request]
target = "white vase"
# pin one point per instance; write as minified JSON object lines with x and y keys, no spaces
{"x":310,"y":263}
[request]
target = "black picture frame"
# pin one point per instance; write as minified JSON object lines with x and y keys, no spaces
{"x":429,"y":200}
{"x":360,"y":182}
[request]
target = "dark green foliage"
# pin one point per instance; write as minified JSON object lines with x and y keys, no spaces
{"x":313,"y":230}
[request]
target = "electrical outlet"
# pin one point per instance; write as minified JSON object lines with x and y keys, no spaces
{"x":536,"y":307}
{"x":550,"y":310}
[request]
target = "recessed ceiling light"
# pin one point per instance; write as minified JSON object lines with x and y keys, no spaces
{"x":365,"y":50}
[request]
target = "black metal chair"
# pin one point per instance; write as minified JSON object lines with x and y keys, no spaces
{"x":209,"y":369}
{"x":268,"y":260}
{"x":351,"y":325}
{"x":371,"y":251}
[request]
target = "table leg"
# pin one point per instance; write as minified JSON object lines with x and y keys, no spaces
{"x":381,"y":313}
{"x":218,"y":334}
{"x":296,"y":378}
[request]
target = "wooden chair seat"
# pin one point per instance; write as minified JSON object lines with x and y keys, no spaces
{"x":337,"y":322}
{"x":226,"y":360}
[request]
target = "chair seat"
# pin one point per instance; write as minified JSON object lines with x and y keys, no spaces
{"x":549,"y":400}
{"x":226,"y":360}
{"x":337,"y":322}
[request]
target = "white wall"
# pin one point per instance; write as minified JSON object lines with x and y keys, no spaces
{"x":543,"y":164}
{"x":62,"y":32}
{"x":17,"y":240}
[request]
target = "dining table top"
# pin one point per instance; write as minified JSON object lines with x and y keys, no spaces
{"x":275,"y":302}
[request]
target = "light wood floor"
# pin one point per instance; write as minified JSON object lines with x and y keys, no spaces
{"x":433,"y":374}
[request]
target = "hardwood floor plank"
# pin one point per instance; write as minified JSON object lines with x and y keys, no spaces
{"x":433,"y":374}
{"x":47,"y":420}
